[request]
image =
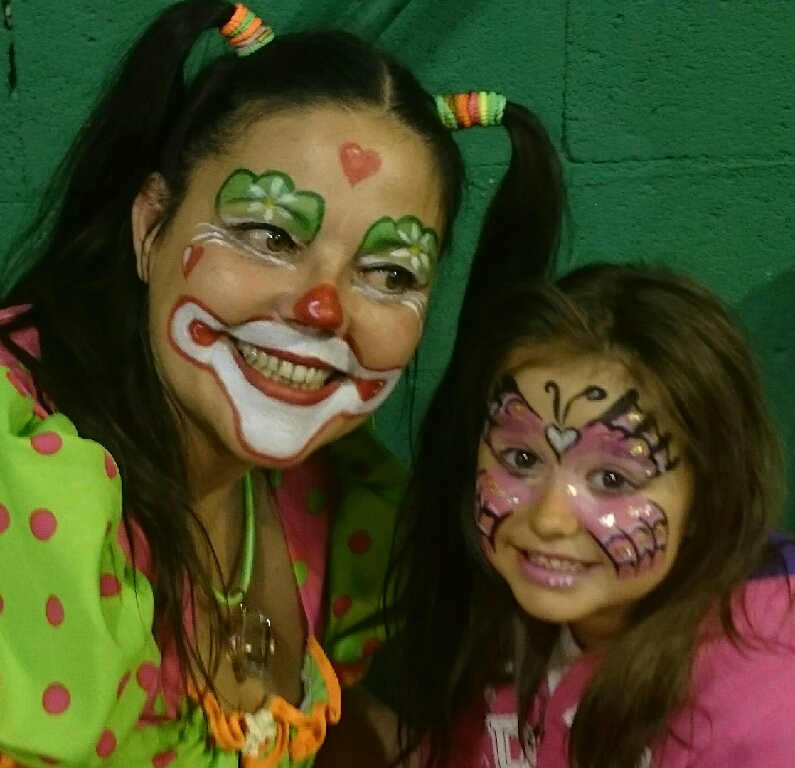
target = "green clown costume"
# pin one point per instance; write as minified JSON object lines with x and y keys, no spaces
{"x":84,"y":679}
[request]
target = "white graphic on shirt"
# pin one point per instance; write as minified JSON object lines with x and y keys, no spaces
{"x":505,"y":742}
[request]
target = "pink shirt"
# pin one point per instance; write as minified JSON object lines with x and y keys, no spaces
{"x":741,"y":715}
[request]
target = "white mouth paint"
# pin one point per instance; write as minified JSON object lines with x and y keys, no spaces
{"x":270,"y":427}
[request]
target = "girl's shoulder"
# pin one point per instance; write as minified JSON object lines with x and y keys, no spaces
{"x":764,"y":607}
{"x":742,"y":703}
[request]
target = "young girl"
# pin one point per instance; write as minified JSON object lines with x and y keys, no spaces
{"x":227,"y":279}
{"x":592,"y":579}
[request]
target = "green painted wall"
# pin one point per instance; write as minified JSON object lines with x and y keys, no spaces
{"x":676,"y":121}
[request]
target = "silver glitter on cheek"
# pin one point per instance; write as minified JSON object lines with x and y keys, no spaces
{"x":608,"y":521}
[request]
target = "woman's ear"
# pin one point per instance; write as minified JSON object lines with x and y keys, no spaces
{"x":147,"y":214}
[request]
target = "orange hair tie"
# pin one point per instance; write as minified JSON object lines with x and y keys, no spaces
{"x":247,"y":33}
{"x":462,"y":109}
{"x":237,"y":19}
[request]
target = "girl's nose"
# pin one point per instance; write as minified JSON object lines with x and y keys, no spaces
{"x":553,"y":516}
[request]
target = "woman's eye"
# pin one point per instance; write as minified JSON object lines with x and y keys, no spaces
{"x":518,"y":458}
{"x":271,"y":239}
{"x":611,"y":481}
{"x":390,"y":278}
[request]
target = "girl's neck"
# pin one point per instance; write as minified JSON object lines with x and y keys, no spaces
{"x":597,"y":631}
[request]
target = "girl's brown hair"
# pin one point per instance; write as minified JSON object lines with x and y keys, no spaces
{"x":677,"y":338}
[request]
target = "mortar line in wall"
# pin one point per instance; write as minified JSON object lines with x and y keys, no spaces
{"x":564,"y":127}
{"x":699,"y":161}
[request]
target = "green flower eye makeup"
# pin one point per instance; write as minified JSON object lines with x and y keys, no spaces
{"x":398,"y":261}
{"x":247,"y":199}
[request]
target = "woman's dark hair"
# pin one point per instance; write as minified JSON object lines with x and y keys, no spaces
{"x":78,"y":266}
{"x":458,"y":623}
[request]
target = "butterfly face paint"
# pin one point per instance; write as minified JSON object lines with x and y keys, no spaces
{"x":603,"y":467}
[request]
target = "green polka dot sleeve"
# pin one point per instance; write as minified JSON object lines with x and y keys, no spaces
{"x":75,"y":630}
{"x":371,"y":486}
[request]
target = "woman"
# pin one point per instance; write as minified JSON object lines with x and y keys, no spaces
{"x":233,"y":276}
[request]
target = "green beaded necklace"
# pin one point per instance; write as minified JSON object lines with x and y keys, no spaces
{"x":244,"y":580}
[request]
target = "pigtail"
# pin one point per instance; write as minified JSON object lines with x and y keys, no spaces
{"x":522,"y":227}
{"x":83,"y":284}
{"x":518,"y":241}
{"x":128,"y":125}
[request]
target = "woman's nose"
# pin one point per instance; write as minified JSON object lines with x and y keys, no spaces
{"x":320,"y":308}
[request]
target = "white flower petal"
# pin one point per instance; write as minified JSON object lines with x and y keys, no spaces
{"x":277,"y":185}
{"x":401,"y":253}
{"x":255,"y":190}
{"x":287,"y":198}
{"x":255,"y":206}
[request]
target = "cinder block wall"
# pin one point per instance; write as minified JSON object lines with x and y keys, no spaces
{"x":676,"y":121}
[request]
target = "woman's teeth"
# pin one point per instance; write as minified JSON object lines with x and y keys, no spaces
{"x":275,"y":368}
{"x":556,"y":563}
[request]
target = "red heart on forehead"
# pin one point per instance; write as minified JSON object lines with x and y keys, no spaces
{"x":358,"y":163}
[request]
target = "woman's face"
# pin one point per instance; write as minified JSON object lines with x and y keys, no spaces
{"x":583,"y":492}
{"x":289,"y":291}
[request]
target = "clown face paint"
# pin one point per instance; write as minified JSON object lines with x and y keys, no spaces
{"x":276,"y":417}
{"x":573,"y":488}
{"x":273,"y":331}
{"x":409,"y":253}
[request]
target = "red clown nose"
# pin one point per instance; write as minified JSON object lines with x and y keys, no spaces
{"x":320,"y":308}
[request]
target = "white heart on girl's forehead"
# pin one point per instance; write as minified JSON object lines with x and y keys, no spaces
{"x":561,"y":439}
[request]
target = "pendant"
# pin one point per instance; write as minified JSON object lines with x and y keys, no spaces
{"x":250,"y":643}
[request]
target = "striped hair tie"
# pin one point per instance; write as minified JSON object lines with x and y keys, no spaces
{"x":464,"y":110}
{"x":246,"y":32}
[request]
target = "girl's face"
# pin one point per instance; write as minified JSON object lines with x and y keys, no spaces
{"x":289,"y":291}
{"x":582,"y":492}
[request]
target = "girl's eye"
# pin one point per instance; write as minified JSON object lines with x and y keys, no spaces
{"x":611,"y":481}
{"x":390,"y":278}
{"x":272,"y":239}
{"x":519,"y":459}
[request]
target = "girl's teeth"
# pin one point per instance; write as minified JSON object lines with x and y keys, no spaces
{"x":298,"y":376}
{"x":556,"y":564}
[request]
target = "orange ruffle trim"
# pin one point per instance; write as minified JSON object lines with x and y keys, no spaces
{"x":309,"y":728}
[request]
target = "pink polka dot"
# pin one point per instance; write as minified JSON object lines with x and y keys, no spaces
{"x":162,"y":759}
{"x":49,"y":761}
{"x":56,"y":699}
{"x":46,"y":443}
{"x":106,"y":743}
{"x":148,"y":676}
{"x":54,"y":611}
{"x":43,"y":524}
{"x":371,"y":646}
{"x":109,"y":585}
{"x":341,"y":605}
{"x":123,"y":684}
{"x":5,"y":519}
{"x":2,"y":603}
{"x":110,"y":466}
{"x":359,"y":542}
